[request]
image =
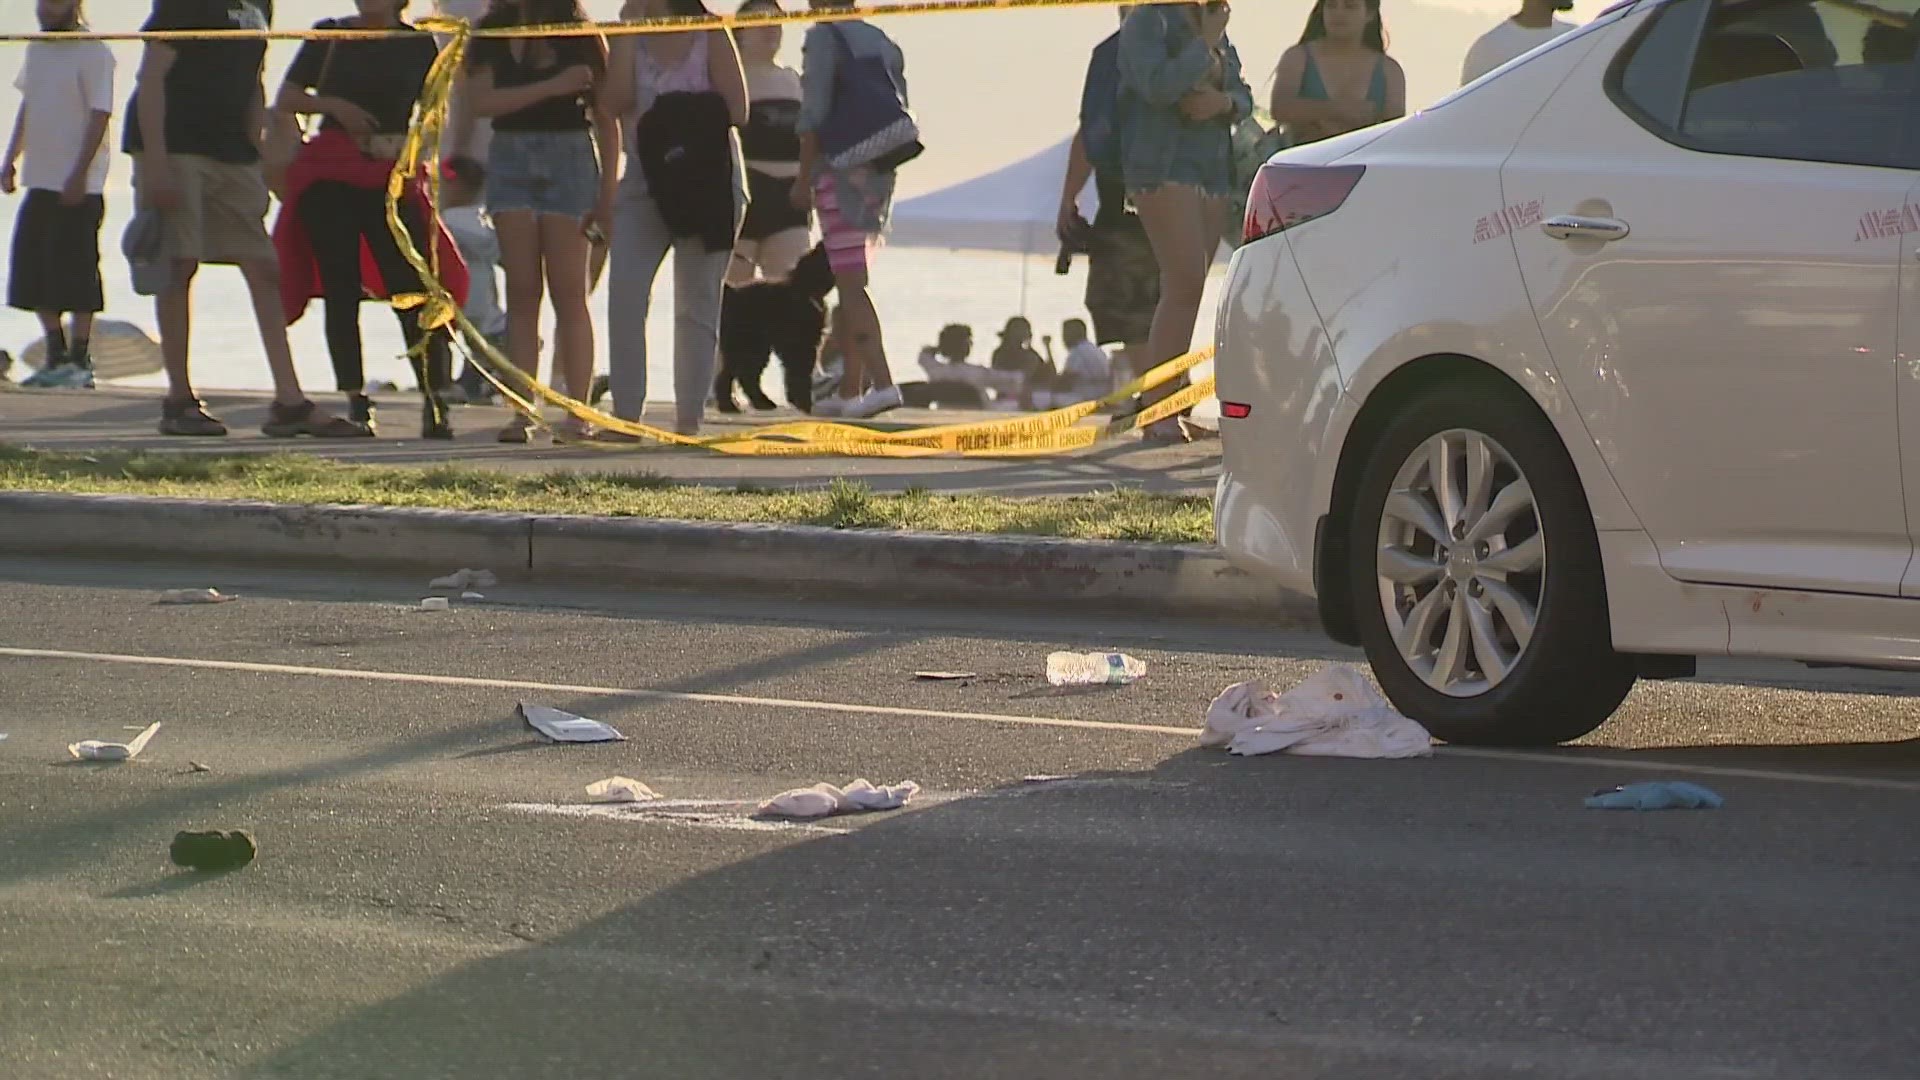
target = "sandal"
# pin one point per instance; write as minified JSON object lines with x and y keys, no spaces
{"x":573,"y":429}
{"x":289,"y":421}
{"x":519,"y":430}
{"x":189,"y":418}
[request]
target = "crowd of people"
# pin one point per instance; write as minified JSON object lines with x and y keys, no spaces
{"x":570,"y":158}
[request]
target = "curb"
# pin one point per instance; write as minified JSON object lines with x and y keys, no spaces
{"x":1182,"y":580}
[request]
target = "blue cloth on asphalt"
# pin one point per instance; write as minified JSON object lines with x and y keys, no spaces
{"x":1656,"y":795}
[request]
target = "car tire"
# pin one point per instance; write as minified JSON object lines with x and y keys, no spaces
{"x":1498,"y":635}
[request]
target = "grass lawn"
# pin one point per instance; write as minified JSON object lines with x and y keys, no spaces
{"x":295,"y":478}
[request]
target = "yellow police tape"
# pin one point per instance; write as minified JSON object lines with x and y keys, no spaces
{"x":1049,"y":432}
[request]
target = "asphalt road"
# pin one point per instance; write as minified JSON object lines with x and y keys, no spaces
{"x":430,"y":900}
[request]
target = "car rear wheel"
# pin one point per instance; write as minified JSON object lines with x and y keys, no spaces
{"x":1476,"y":575}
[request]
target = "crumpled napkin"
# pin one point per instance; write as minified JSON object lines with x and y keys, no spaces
{"x":1334,"y":713}
{"x":620,"y":789}
{"x":821,"y":800}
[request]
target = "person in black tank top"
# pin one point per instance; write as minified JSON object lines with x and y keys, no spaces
{"x":551,"y":175}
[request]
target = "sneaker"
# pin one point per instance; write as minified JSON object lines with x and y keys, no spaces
{"x":831,"y":407}
{"x":289,"y":421}
{"x":360,"y":410}
{"x":64,"y":377}
{"x":189,"y":418}
{"x":44,"y":377}
{"x":874,"y":402}
{"x":434,"y":422}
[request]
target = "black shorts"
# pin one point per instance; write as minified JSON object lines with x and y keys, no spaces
{"x":56,"y":254}
{"x":770,"y":207}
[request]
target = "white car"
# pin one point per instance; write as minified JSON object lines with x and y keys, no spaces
{"x":1607,"y":362}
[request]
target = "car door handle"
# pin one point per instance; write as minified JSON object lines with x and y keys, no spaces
{"x":1575,"y":227}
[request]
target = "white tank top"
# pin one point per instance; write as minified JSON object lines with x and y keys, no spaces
{"x":652,"y":79}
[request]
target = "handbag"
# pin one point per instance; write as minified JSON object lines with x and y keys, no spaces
{"x":870,"y":123}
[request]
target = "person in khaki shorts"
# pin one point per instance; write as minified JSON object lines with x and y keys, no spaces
{"x":194,"y":128}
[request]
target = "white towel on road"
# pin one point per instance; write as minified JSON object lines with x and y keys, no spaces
{"x":1335,"y":713}
{"x":821,"y":800}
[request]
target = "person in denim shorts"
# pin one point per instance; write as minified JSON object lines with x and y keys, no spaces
{"x":1181,"y":95}
{"x":552,"y":171}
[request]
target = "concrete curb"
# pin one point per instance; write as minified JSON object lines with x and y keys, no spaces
{"x":1188,"y":580}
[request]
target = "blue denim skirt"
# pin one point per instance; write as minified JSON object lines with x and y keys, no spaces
{"x":545,"y":172}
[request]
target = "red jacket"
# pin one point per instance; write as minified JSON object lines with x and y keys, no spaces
{"x":332,"y":155}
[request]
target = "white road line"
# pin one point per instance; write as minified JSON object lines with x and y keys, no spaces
{"x":1572,"y":758}
{"x":597,"y":691}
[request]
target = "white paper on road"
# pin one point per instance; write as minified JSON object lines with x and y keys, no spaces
{"x":566,"y":727}
{"x":821,"y":800}
{"x":99,"y":750}
{"x":434,"y":603}
{"x":195,"y":596}
{"x":1334,"y":713}
{"x":465,"y":579}
{"x":620,"y":789}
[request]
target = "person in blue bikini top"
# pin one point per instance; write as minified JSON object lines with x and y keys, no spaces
{"x":1339,"y":78}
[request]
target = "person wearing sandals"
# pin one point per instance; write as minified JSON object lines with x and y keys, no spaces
{"x":774,"y":235}
{"x":333,"y":201}
{"x":853,"y":77}
{"x":1181,"y":94}
{"x":194,"y":127}
{"x":553,"y":167}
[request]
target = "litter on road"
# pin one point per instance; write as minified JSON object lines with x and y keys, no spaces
{"x":1656,"y":795}
{"x":195,"y":596}
{"x":101,"y":750}
{"x":213,"y":849}
{"x":1094,"y":669}
{"x":1335,"y":712}
{"x":944,"y":676}
{"x":620,"y":789}
{"x":471,"y":595}
{"x":566,"y":727}
{"x":822,"y":800}
{"x":434,"y":603}
{"x":465,"y":579}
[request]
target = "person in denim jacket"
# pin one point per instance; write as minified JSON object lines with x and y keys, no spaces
{"x":1182,"y":93}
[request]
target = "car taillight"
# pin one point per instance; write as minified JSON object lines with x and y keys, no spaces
{"x":1284,"y":196}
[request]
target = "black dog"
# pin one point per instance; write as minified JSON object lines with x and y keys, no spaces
{"x":787,"y":319}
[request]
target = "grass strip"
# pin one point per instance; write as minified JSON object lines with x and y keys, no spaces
{"x":843,"y":504}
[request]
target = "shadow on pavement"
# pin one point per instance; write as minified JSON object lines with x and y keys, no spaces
{"x":1219,"y":918}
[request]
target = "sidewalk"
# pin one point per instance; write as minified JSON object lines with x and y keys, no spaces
{"x":83,"y":421}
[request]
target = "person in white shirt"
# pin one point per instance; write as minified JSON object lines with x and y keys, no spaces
{"x":479,"y":246}
{"x":1087,"y":372}
{"x":66,"y":100}
{"x":1533,"y":27}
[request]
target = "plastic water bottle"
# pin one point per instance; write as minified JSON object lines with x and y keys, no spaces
{"x":1093,"y":669}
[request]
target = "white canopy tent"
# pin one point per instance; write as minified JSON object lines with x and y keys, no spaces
{"x":1010,"y":209}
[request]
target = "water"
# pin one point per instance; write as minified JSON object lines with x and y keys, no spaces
{"x":917,"y":291}
{"x":1093,"y":669}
